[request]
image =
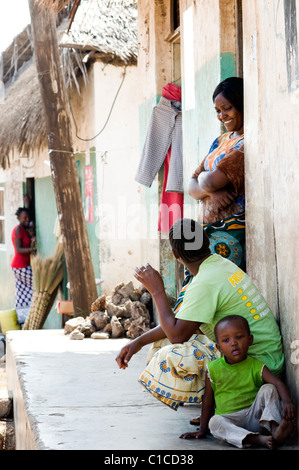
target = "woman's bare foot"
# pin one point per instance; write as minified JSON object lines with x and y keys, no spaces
{"x":283,"y":430}
{"x":260,"y":440}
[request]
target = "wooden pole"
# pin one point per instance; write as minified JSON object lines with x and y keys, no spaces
{"x":64,"y":175}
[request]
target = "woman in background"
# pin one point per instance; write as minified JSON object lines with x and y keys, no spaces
{"x":21,"y":264}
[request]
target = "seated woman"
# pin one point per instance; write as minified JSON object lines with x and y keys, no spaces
{"x":176,"y":368}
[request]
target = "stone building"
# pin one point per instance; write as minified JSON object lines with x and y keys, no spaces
{"x":196,"y":44}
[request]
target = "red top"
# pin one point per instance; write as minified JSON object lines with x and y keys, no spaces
{"x":21,"y":260}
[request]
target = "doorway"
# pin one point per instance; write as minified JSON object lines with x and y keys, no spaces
{"x":29,"y":198}
{"x":239,"y":39}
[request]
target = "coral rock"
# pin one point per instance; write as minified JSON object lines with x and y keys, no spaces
{"x":136,"y":327}
{"x":123,"y":314}
{"x":138,"y":309}
{"x":116,"y":299}
{"x":108,"y":328}
{"x":126,"y":290}
{"x":99,"y":319}
{"x":117,"y":310}
{"x":72,"y":324}
{"x":76,"y":334}
{"x":100,"y":335}
{"x":117,"y":329}
{"x":87,"y":328}
{"x":145,"y":298}
{"x":100,"y":304}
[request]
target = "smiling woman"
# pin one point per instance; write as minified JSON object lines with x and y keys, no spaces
{"x":218,"y":182}
{"x":229,"y":115}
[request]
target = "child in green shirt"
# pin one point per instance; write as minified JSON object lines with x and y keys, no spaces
{"x":242,"y":397}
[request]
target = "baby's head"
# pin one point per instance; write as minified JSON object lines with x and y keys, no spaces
{"x":31,"y":229}
{"x":233,"y":338}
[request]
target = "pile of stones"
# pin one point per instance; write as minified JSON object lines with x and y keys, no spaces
{"x":126,"y":313}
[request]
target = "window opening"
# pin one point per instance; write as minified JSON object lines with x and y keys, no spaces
{"x":175,"y":14}
{"x":239,"y":29}
{"x":174,"y":38}
{"x":30,"y":201}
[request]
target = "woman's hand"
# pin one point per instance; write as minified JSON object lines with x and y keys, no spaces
{"x":127,"y":352}
{"x":155,"y":334}
{"x":150,"y":278}
{"x":221,"y":198}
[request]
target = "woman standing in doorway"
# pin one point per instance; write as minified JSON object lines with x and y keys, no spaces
{"x":218,"y":182}
{"x":21,"y":264}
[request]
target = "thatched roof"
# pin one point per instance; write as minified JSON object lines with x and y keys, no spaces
{"x":108,"y":27}
{"x":16,"y":54}
{"x":22,"y":115}
{"x":55,"y":5}
{"x":22,"y":122}
{"x":58,"y":5}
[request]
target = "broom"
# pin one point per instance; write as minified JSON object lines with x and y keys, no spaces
{"x":47,"y":275}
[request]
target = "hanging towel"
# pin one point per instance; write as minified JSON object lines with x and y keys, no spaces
{"x":171,"y":204}
{"x":165,"y":131}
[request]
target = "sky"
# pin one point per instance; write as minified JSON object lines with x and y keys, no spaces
{"x":14,"y":16}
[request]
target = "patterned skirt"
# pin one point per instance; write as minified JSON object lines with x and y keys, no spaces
{"x":23,"y":284}
{"x":227,"y":238}
{"x":175,"y":373}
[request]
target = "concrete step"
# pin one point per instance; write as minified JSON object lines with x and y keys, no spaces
{"x":71,"y":395}
{"x":7,"y":428}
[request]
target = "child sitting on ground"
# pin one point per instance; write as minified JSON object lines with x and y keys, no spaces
{"x":246,"y":394}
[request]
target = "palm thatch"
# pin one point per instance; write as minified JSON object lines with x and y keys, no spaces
{"x":22,"y":116}
{"x":22,"y":119}
{"x":58,"y":5}
{"x":47,"y":275}
{"x":107,"y":27}
{"x":55,"y":5}
{"x":109,"y":32}
{"x":16,"y":54}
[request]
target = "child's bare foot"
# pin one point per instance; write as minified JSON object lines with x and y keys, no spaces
{"x":260,"y":440}
{"x":283,"y":430}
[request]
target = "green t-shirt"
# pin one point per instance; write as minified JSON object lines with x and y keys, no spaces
{"x":221,"y":288}
{"x":235,"y":386}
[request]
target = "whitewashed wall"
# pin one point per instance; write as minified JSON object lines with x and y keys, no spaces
{"x":272,"y":165}
{"x":120,"y":230}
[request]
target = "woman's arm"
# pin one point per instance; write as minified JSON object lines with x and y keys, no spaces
{"x":211,"y":181}
{"x":195,"y":191}
{"x":219,"y":199}
{"x":176,"y":330}
{"x":206,"y":183}
{"x":20,"y":249}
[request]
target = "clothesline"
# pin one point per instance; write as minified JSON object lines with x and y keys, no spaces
{"x":102,"y":152}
